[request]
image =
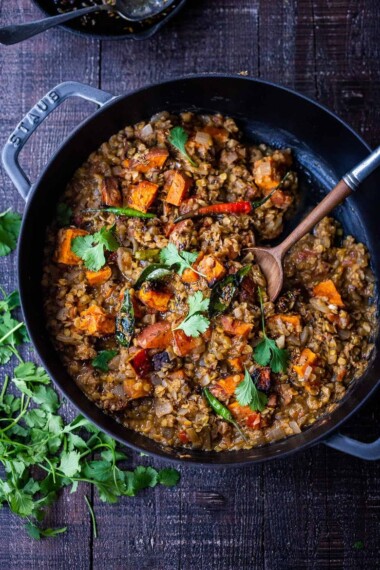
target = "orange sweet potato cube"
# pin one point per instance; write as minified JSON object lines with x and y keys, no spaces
{"x":307,"y":358}
{"x":157,"y":335}
{"x":94,"y":321}
{"x":183,"y":344}
{"x":294,"y":321}
{"x":177,"y":187}
{"x":189,"y":275}
{"x":155,"y":299}
{"x":265,"y":173}
{"x":235,"y":327}
{"x":236,"y":364}
{"x":142,"y":195}
{"x":99,"y":277}
{"x":220,"y":134}
{"x":328,"y":290}
{"x":229,"y":384}
{"x":137,"y":388}
{"x":211,"y":268}
{"x":155,"y":158}
{"x":63,"y":252}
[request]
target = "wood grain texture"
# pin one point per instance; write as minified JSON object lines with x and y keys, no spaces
{"x":305,"y":512}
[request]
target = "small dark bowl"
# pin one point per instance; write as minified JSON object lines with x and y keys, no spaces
{"x":103,"y":26}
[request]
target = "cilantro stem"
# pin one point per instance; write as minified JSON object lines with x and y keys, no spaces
{"x":21,"y":414}
{"x":4,"y":388}
{"x":11,"y":332}
{"x":92,"y":515}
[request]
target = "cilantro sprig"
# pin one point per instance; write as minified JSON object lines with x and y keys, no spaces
{"x":182,"y":260}
{"x":91,"y":248}
{"x":10,"y":224}
{"x":178,"y":138}
{"x":247,"y":394}
{"x":12,"y":332}
{"x":195,"y":323}
{"x":267,"y":352}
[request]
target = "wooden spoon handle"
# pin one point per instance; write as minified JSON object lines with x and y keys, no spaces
{"x":344,"y":188}
{"x":333,"y":198}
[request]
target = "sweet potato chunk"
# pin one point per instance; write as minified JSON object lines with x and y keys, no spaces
{"x":137,"y":388}
{"x":236,"y":364}
{"x":235,"y":327}
{"x":307,"y":358}
{"x":229,"y":384}
{"x":328,"y":290}
{"x":63,"y":252}
{"x":155,"y":158}
{"x":220,"y":134}
{"x":142,"y":195}
{"x":189,"y":275}
{"x":154,"y":299}
{"x":294,"y":321}
{"x":141,"y":363}
{"x":177,"y":187}
{"x":266,"y":173}
{"x":99,"y":277}
{"x":211,"y":268}
{"x":183,"y":344}
{"x":244,"y":413}
{"x":94,"y":321}
{"x":111,"y":195}
{"x":158,"y":335}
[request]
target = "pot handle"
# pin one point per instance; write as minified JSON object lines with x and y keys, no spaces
{"x":368,"y":451}
{"x":35,"y":117}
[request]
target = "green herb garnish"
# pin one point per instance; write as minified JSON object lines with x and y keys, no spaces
{"x":222,"y":411}
{"x":12,"y":332}
{"x":171,"y":256}
{"x":247,"y":394}
{"x":195,"y":323}
{"x":127,"y":212}
{"x":10,"y":224}
{"x":102,"y":359}
{"x":267,"y":352}
{"x":358,"y":545}
{"x":91,"y":248}
{"x":178,"y":138}
{"x":64,"y":213}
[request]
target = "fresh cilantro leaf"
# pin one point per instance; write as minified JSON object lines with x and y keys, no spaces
{"x":168,"y":477}
{"x":97,"y":470}
{"x":10,"y":224}
{"x":10,"y":302}
{"x":267,"y":352}
{"x":91,"y":248}
{"x":178,"y":138}
{"x":102,"y":359}
{"x":144,"y":477}
{"x":247,"y":394}
{"x":170,"y":256}
{"x":69,"y":464}
{"x":64,"y":213}
{"x":36,"y":533}
{"x":195,"y":323}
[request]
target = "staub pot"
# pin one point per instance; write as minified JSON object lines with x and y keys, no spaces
{"x":324,"y":148}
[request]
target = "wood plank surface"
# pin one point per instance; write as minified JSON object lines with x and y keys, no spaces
{"x":304,"y":512}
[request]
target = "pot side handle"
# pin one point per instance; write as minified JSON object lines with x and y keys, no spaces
{"x":35,"y":117}
{"x":368,"y":451}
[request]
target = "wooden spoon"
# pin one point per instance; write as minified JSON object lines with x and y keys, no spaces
{"x":270,"y":259}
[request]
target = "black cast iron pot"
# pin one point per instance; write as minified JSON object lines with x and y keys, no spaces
{"x":324,"y":148}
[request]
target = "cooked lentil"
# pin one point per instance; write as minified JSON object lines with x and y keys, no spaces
{"x":157,"y":391}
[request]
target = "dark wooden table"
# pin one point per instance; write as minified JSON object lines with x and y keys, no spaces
{"x":304,"y":512}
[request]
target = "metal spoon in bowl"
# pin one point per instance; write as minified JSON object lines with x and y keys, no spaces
{"x":130,"y":10}
{"x":270,"y":259}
